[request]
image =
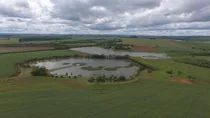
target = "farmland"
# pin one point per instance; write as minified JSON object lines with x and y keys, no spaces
{"x":166,"y":88}
{"x":8,"y":40}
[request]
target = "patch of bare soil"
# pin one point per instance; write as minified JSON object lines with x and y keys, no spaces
{"x":182,"y":80}
{"x":145,"y":48}
{"x":76,"y":85}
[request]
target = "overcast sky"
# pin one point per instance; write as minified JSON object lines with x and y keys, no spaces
{"x":142,"y":17}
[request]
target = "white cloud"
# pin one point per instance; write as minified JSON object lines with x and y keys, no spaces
{"x":144,"y":17}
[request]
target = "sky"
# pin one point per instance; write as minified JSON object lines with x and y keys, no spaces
{"x":128,"y":17}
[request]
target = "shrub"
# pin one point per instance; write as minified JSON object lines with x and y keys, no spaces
{"x":169,"y":72}
{"x":91,"y":79}
{"x":149,"y":71}
{"x":40,"y":72}
{"x":179,"y":72}
{"x":122,"y":78}
{"x":192,"y":78}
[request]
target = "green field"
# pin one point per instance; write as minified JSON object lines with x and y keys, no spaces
{"x":45,"y":97}
{"x":9,"y":41}
{"x":167,"y":92}
{"x":170,"y":64}
{"x":8,"y":61}
{"x":151,"y":42}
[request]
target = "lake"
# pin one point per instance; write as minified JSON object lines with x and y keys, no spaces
{"x":88,"y":67}
{"x":100,"y":51}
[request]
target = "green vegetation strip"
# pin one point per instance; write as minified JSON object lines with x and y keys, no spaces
{"x":79,"y":64}
{"x":40,"y":97}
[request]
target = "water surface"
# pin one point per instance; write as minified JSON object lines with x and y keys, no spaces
{"x":99,"y":51}
{"x":72,"y":67}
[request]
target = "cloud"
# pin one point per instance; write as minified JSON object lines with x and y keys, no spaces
{"x":15,"y":9}
{"x":160,"y":17}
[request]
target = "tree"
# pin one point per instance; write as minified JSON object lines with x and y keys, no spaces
{"x":149,"y":71}
{"x":170,"y":72}
{"x":179,"y":72}
{"x":40,"y":72}
{"x":122,"y":78}
{"x":91,"y":79}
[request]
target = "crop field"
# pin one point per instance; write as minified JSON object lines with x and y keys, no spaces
{"x":16,"y":49}
{"x":151,"y":42}
{"x":172,"y":90}
{"x":155,"y":45}
{"x":147,"y":97}
{"x":9,"y":60}
{"x":185,"y":69}
{"x":9,"y":41}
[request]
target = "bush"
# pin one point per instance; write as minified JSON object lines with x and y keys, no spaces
{"x":149,"y":71}
{"x":122,"y":78}
{"x":91,"y":79}
{"x":40,"y":72}
{"x":170,"y":72}
{"x":192,"y":78}
{"x":179,"y":72}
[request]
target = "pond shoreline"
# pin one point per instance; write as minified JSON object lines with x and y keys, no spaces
{"x":99,"y":57}
{"x":86,"y":66}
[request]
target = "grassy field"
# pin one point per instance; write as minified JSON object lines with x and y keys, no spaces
{"x":51,"y":98}
{"x":163,"y":45}
{"x":9,"y":41}
{"x":8,"y":61}
{"x":199,"y":44}
{"x":151,"y":42}
{"x":151,"y":95}
{"x":185,"y":69}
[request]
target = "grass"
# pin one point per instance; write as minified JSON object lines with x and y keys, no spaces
{"x":51,"y":98}
{"x":152,"y":43}
{"x":3,"y":51}
{"x":8,"y":61}
{"x":37,"y":42}
{"x":149,"y":96}
{"x":9,"y":41}
{"x":170,"y":64}
{"x":79,"y":64}
{"x":196,"y":44}
{"x":163,"y":44}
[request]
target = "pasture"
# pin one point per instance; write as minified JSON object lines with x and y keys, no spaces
{"x":147,"y":97}
{"x":155,"y":45}
{"x":22,"y":49}
{"x":173,"y":90}
{"x":9,"y":40}
{"x":10,"y":60}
